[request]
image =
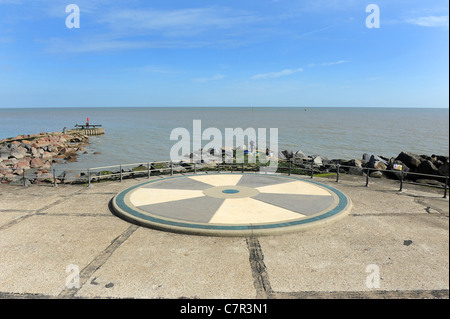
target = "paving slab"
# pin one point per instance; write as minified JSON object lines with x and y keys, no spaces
{"x":337,"y":258}
{"x":155,"y":264}
{"x":34,"y":253}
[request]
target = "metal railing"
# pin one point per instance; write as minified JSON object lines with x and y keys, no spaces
{"x":148,"y":169}
{"x":365,"y":171}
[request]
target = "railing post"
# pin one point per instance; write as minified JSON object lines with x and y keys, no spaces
{"x":54,"y":178}
{"x":89,"y":177}
{"x":242,"y":167}
{"x":290,"y":167}
{"x":446,"y":186}
{"x":171,"y":168}
{"x":337,"y":173}
{"x":401,"y":181}
{"x":148,"y":170}
{"x":195,"y":168}
{"x":218,"y":167}
{"x":23,"y":179}
{"x":121,"y":177}
{"x":367,"y":178}
{"x":312,"y":170}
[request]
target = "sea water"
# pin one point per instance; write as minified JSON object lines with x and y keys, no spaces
{"x":135,"y":135}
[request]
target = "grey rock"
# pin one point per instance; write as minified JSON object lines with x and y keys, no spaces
{"x":380,"y":165}
{"x":353,"y":162}
{"x":376,"y":174}
{"x":444,"y":168}
{"x":317,"y":160}
{"x":409,"y":159}
{"x":373,"y":160}
{"x":17,"y":154}
{"x":299,"y":155}
{"x":4,"y":155}
{"x":366,"y":157}
{"x":427,"y":167}
{"x":356,"y":171}
{"x":287,"y":154}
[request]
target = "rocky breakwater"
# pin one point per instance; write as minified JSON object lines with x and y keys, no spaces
{"x":422,"y":169}
{"x":34,"y":155}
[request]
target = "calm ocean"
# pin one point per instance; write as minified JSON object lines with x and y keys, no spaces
{"x":136,"y":135}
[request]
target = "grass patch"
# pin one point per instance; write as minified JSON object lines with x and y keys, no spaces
{"x":325,"y":174}
{"x":140,"y":168}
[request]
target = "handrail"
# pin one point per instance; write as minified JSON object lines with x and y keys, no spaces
{"x":242,"y":167}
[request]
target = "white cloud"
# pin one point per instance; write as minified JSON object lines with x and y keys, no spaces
{"x":181,"y":22}
{"x":212,"y":78}
{"x":430,"y":21}
{"x":270,"y":75}
{"x":111,"y":43}
{"x":334,"y":63}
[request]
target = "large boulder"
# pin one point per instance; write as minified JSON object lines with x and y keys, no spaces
{"x":299,"y":155}
{"x":443,"y":169}
{"x":23,"y":164}
{"x":427,"y":167}
{"x":366,"y":157}
{"x":19,"y":153}
{"x":409,"y":159}
{"x":4,"y":154}
{"x":352,"y":162}
{"x":37,"y":163}
{"x":6,"y":171}
{"x":376,"y":174}
{"x":376,"y":162}
{"x":380,"y":165}
{"x":47,"y":155}
{"x":287,"y":154}
{"x":317,"y":160}
{"x":355,"y":170}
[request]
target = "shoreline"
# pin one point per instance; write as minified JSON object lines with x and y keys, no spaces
{"x":29,"y":159}
{"x":39,"y":152}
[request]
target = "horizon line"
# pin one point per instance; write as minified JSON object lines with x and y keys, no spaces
{"x":225,"y":106}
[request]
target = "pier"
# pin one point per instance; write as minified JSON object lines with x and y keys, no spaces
{"x":89,"y":130}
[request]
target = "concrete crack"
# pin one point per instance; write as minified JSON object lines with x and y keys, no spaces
{"x":259,"y":270}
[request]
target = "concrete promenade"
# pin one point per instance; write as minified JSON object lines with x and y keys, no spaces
{"x":47,"y":233}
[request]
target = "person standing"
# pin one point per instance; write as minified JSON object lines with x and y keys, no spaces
{"x":87,"y":122}
{"x":252,"y":145}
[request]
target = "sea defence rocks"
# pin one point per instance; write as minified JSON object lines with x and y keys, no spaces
{"x":406,"y":165}
{"x":37,"y":152}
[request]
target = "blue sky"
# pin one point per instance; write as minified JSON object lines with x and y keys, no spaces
{"x":224,"y":53}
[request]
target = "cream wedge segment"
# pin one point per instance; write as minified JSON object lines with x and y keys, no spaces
{"x":251,"y":211}
{"x":218,"y":180}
